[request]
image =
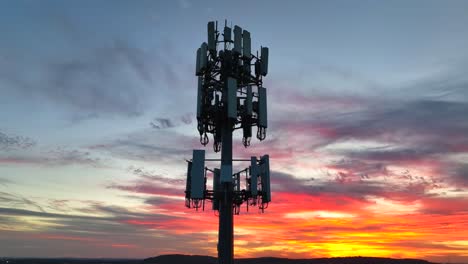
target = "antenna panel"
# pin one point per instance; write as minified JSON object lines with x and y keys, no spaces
{"x":203,"y":56}
{"x":246,"y":42}
{"x":200,"y":96}
{"x":264,"y":61}
{"x":216,"y":187}
{"x":262,"y":107}
{"x":189,"y":179}
{"x":246,"y":119}
{"x":227,"y":34}
{"x":197,"y":188}
{"x":247,"y":68}
{"x":197,"y":65}
{"x":237,"y":40}
{"x":265,"y":174}
{"x":248,"y":101}
{"x":217,"y":99}
{"x":237,"y":181}
{"x":211,"y":36}
{"x":254,"y":171}
{"x":226,"y":173}
{"x":232,"y":98}
{"x":246,"y":131}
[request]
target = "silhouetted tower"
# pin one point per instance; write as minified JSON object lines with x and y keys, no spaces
{"x":230,"y":96}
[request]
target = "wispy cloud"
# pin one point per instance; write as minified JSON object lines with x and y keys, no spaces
{"x":115,"y":79}
{"x":60,"y":156}
{"x":161,"y":123}
{"x":14,"y":142}
{"x":150,"y":183}
{"x":149,"y":145}
{"x":17,"y":201}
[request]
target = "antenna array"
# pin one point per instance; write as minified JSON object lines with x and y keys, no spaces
{"x":230,"y":96}
{"x":244,"y":102}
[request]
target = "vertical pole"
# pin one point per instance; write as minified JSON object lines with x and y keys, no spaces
{"x":226,"y":224}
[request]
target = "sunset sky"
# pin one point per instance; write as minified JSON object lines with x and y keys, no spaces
{"x":368,"y":128}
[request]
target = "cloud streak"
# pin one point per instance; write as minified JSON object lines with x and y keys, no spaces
{"x":13,"y":142}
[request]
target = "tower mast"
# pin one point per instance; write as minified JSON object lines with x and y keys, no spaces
{"x":229,"y":97}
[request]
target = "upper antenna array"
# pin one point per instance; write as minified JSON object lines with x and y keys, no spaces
{"x":227,"y":61}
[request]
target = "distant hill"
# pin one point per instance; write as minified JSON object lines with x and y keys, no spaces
{"x":186,"y":259}
{"x":67,"y":261}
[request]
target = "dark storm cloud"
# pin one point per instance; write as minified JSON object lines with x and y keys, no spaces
{"x":14,"y":142}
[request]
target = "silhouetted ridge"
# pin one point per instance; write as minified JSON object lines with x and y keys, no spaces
{"x":181,"y":259}
{"x":186,"y":259}
{"x":67,"y":261}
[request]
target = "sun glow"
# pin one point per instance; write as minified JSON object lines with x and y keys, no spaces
{"x":318,"y":214}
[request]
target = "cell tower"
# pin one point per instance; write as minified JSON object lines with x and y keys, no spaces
{"x":229,"y":97}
